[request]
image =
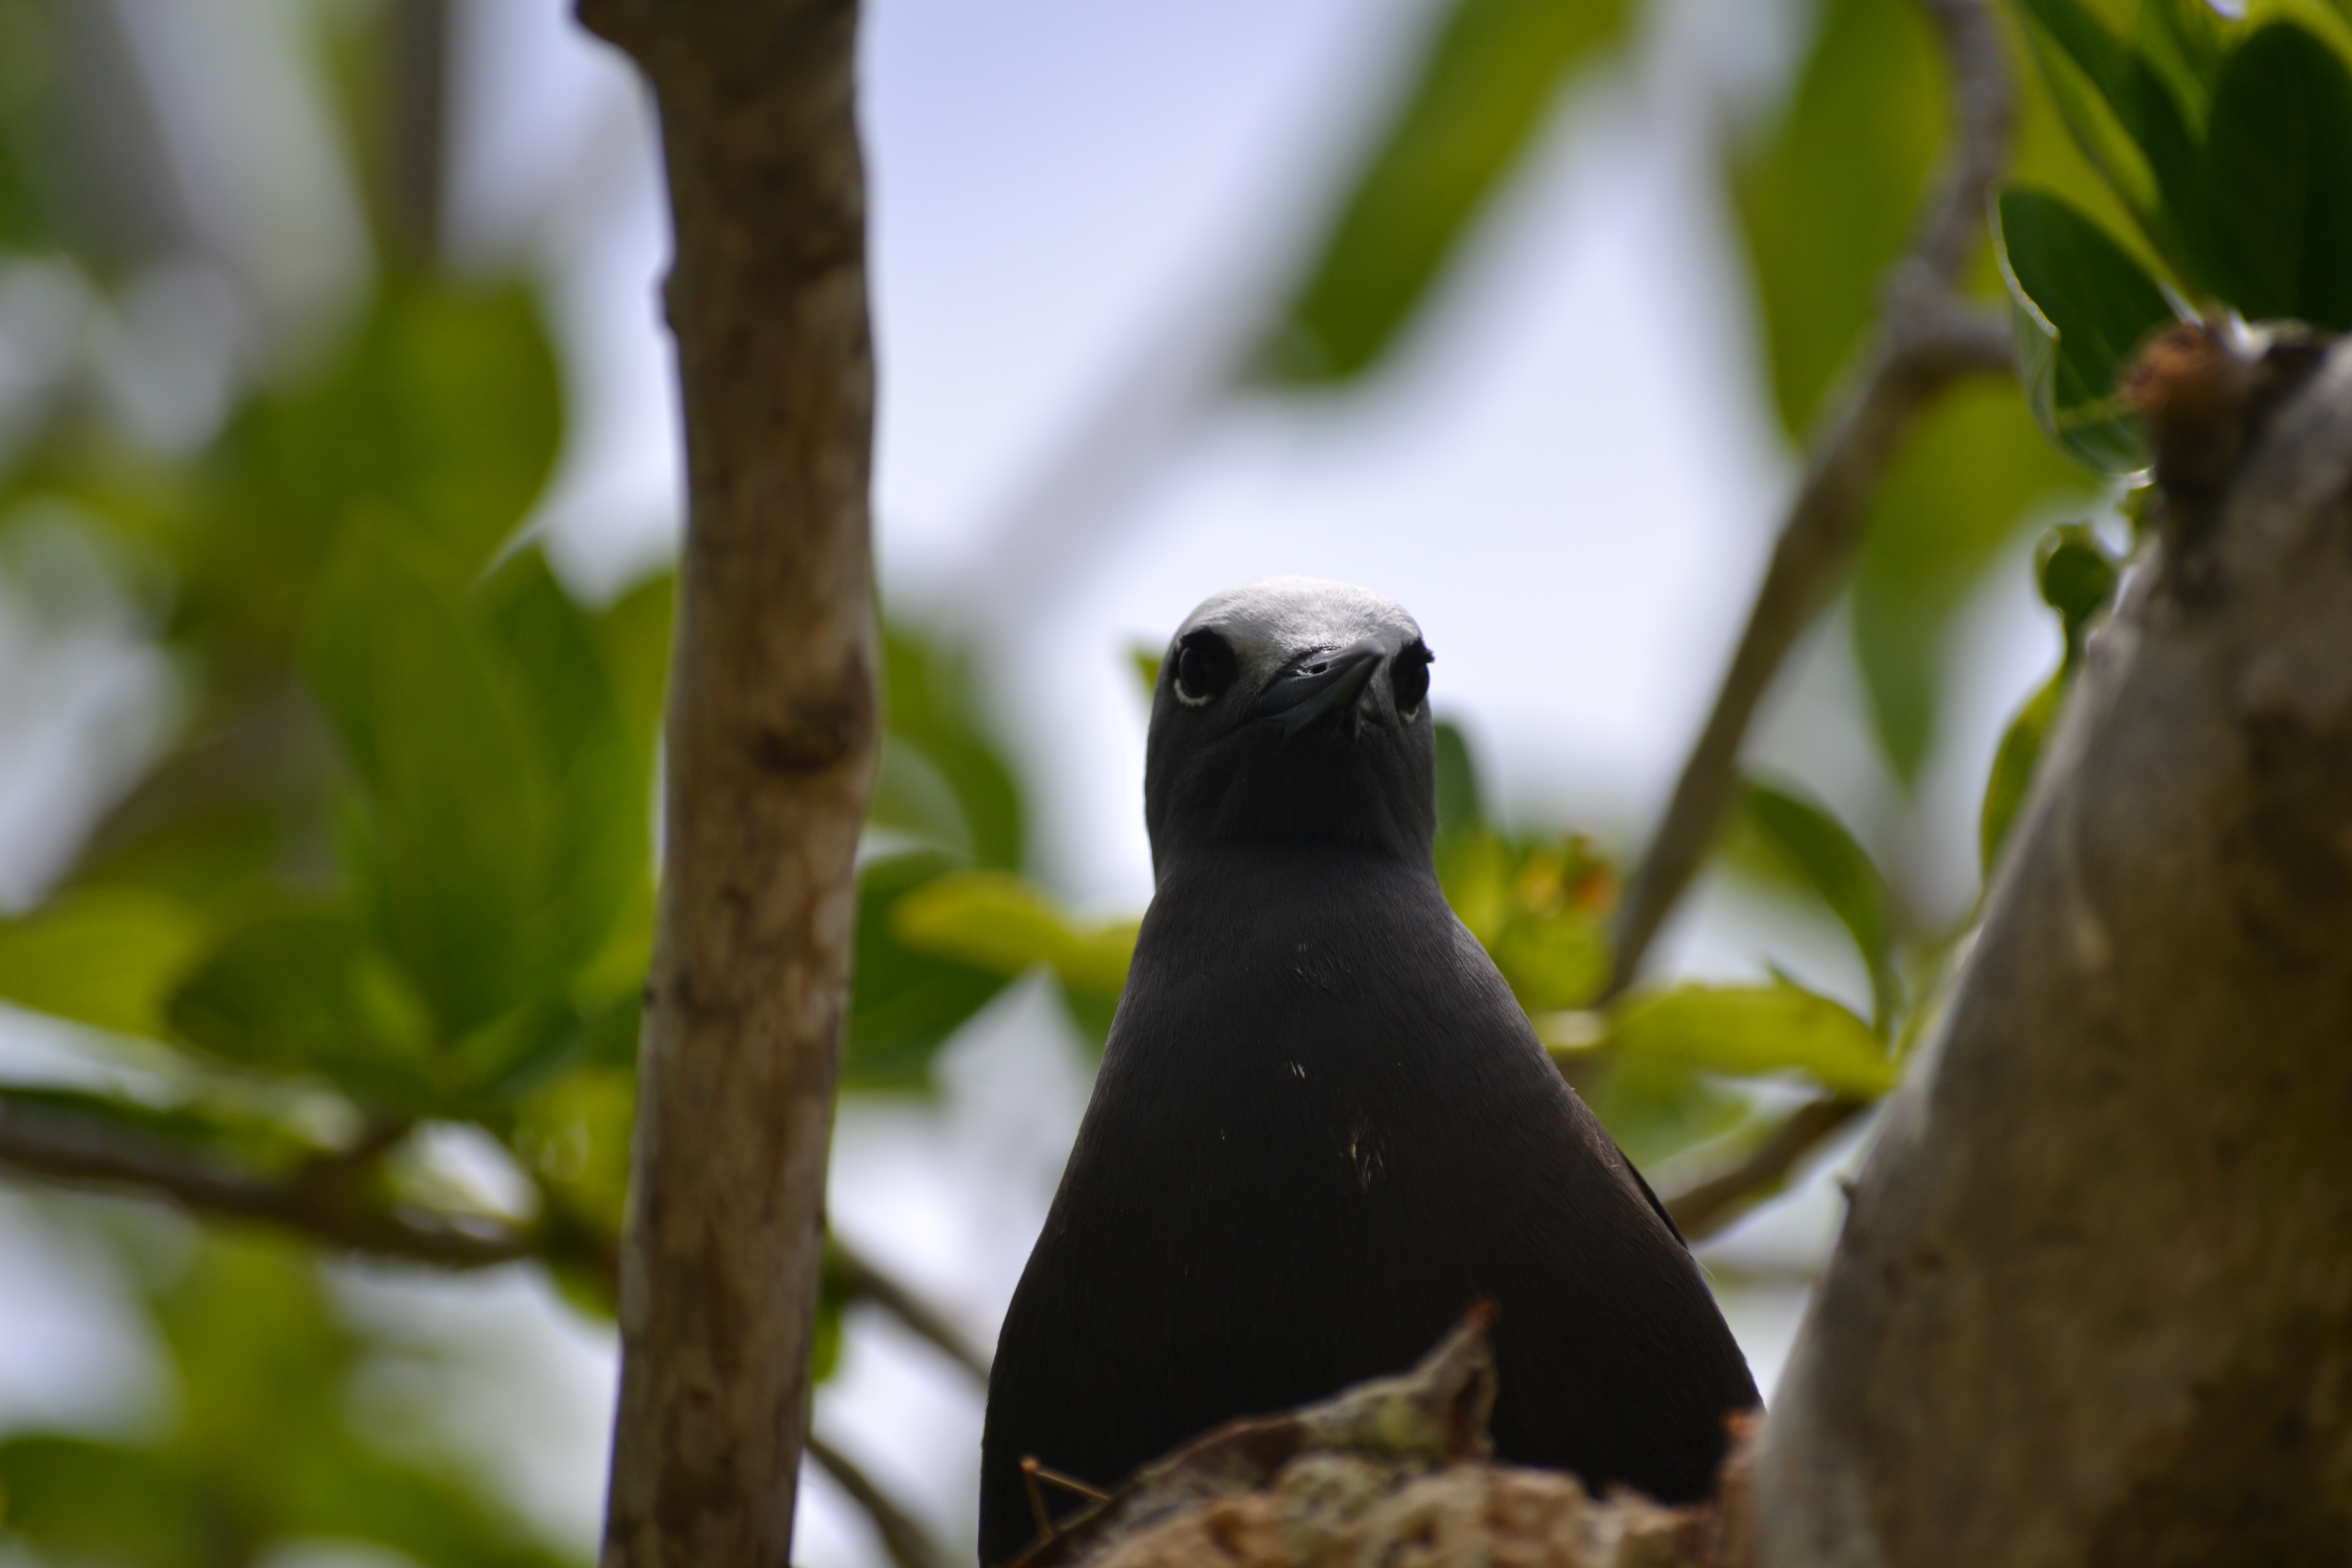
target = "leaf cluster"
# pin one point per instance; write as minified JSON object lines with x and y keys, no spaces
{"x":2227,"y":142}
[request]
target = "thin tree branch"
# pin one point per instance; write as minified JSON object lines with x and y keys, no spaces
{"x":323,"y":1202}
{"x":1702,"y":1210}
{"x":909,"y":1543}
{"x":769,"y":743}
{"x":860,"y":1281}
{"x":319,"y":1201}
{"x":1926,"y":339}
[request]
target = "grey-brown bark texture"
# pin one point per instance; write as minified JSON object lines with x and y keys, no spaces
{"x":770,"y":740}
{"x":2093,"y":1304}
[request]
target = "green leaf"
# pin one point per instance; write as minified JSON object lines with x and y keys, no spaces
{"x":455,"y":821}
{"x":307,"y":991}
{"x":1539,"y":906}
{"x":904,"y":1003}
{"x":2112,"y":103}
{"x":106,"y":957}
{"x":2137,"y":105}
{"x":2279,"y":180}
{"x":1554,"y":960}
{"x":2080,"y":306}
{"x":1656,"y":1108}
{"x":930,"y":705}
{"x":634,"y":633}
{"x":2078,"y":578}
{"x":995,"y":922}
{"x":1145,"y":660}
{"x":2013,"y":769}
{"x":1751,"y":1030}
{"x":1460,"y":802}
{"x":1817,"y":847}
{"x":594,"y":780}
{"x":1484,"y":91}
{"x":1830,"y":200}
{"x":447,"y":411}
{"x":1974,"y":470}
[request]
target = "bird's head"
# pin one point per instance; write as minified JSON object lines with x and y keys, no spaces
{"x":1292,"y":711}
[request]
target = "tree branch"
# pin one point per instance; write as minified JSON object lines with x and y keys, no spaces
{"x":909,"y":1543}
{"x":860,"y":1281}
{"x":1701,"y":1211}
{"x":319,"y":1201}
{"x":1926,"y":339}
{"x":769,"y":751}
{"x":323,"y":1202}
{"x":2091,"y":1300}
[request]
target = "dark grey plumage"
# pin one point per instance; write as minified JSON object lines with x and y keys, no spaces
{"x":1323,"y":1126}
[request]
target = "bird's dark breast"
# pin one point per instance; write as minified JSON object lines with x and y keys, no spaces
{"x":1322,"y":1128}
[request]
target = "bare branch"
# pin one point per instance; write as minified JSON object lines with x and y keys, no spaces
{"x":1926,"y":340}
{"x":2091,"y":1294}
{"x":861,"y":1282}
{"x":909,"y":1543}
{"x":1701,"y":1211}
{"x":770,"y":744}
{"x":324,"y":1202}
{"x":319,"y":1201}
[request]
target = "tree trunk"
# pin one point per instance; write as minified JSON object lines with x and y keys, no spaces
{"x":2093,"y":1303}
{"x":769,"y":748}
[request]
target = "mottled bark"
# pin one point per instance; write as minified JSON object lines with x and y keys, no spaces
{"x":2093,"y":1304}
{"x":769,"y":747}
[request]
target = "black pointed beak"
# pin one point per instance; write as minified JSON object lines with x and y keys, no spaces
{"x":1324,"y":685}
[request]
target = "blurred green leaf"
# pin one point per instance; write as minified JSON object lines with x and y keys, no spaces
{"x":1656,"y":1108}
{"x":572,"y":1133}
{"x":1146,"y":662}
{"x":904,"y":1003}
{"x":105,"y":957}
{"x":1828,"y":200}
{"x":455,"y":822}
{"x":635,"y":635}
{"x":2080,"y":306}
{"x":2078,"y":578}
{"x":2013,"y":769}
{"x":1460,"y":805}
{"x":1484,"y":91}
{"x":1818,"y":847}
{"x":2279,"y":178}
{"x":995,"y":922}
{"x":261,"y":1451}
{"x":447,"y":411}
{"x":307,"y":991}
{"x":1971,"y":472}
{"x":1746,"y":1030}
{"x":504,"y":815}
{"x":910,"y":796}
{"x":2126,"y":112}
{"x":930,"y":705}
{"x":1539,"y":906}
{"x":80,"y":1500}
{"x":34,"y":187}
{"x":1555,"y":959}
{"x":594,"y":780}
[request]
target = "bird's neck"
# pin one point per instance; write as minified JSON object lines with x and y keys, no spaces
{"x":1234,"y":869}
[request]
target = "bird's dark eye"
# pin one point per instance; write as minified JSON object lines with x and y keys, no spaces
{"x":1409,"y":677}
{"x":1205,"y":667}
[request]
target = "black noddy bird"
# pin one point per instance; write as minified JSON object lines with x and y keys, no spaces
{"x":1324,"y":1127}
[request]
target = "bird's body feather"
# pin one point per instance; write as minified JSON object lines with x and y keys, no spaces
{"x":1323,"y":1128}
